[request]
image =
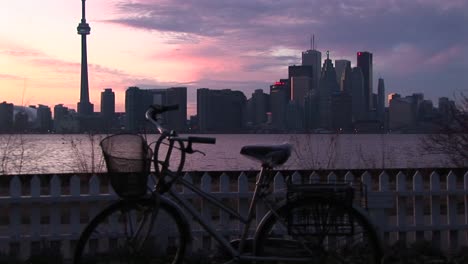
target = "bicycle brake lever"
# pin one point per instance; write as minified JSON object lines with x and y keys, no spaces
{"x":203,"y":153}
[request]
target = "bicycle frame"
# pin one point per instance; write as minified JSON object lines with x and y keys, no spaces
{"x":260,"y":192}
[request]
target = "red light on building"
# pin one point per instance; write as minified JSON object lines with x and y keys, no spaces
{"x":279,"y":83}
{"x":359,"y":53}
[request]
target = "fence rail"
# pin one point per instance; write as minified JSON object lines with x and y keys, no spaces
{"x":431,"y":205}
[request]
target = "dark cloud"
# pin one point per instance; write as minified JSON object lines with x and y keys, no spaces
{"x":409,"y":39}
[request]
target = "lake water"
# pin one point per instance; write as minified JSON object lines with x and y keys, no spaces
{"x":40,"y":154}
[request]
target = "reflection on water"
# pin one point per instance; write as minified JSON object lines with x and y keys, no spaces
{"x":74,"y":153}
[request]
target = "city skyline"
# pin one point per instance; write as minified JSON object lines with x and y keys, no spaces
{"x":417,"y":46}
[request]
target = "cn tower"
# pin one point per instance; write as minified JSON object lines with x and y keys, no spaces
{"x":85,"y":108}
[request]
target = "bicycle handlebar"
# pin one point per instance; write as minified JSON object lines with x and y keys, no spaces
{"x":202,"y":140}
{"x":156,"y":109}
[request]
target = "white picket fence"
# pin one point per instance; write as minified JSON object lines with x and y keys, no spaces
{"x":55,"y":208}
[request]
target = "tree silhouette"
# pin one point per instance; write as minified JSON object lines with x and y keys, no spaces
{"x":451,"y":138}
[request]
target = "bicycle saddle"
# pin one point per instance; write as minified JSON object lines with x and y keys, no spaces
{"x":268,"y":155}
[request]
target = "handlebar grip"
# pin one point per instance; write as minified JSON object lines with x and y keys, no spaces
{"x":202,"y":140}
{"x":170,"y":107}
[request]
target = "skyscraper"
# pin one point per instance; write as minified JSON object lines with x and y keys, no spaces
{"x":357,"y":94}
{"x":108,"y":109}
{"x":177,"y":120}
{"x":299,"y":71}
{"x":364,"y":61}
{"x":136,"y":103}
{"x":328,"y":87}
{"x":279,"y":99}
{"x":381,"y":100}
{"x":85,"y":108}
{"x":342,"y":67}
{"x":220,"y":110}
{"x":6,"y":117}
{"x":313,"y":58}
{"x":108,"y":103}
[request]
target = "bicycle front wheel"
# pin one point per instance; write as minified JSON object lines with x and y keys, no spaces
{"x":133,"y":232}
{"x":318,"y":231}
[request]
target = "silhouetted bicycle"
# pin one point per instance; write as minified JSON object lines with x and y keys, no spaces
{"x":313,"y":223}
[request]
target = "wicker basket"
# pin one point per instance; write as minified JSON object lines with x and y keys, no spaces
{"x":128,"y":160}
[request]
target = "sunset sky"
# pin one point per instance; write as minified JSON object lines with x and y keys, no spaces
{"x":418,"y":45}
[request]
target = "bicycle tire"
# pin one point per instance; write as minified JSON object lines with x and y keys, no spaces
{"x":312,"y":244}
{"x":130,"y":230}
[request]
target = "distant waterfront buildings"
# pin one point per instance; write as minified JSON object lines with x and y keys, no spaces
{"x":6,"y":117}
{"x":44,"y":119}
{"x":364,"y":61}
{"x":314,"y":98}
{"x":221,"y":110}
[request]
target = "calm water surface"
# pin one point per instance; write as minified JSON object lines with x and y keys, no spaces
{"x":28,"y":154}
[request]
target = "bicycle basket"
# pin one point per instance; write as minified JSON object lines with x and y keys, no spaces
{"x":128,"y":160}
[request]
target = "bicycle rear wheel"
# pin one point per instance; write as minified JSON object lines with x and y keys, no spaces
{"x":133,"y":232}
{"x":318,"y":231}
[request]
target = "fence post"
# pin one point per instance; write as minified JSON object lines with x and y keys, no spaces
{"x":205,"y":208}
{"x":435,"y":209}
{"x":314,"y":177}
{"x":15,"y":214}
{"x":224,"y":189}
{"x":381,"y":213}
{"x":401,"y":206}
{"x":35,"y":210}
{"x":55,"y":227}
{"x":259,"y":209}
{"x":296,"y":178}
{"x":94,"y":184}
{"x":418,"y":205}
{"x":243,"y":189}
{"x":452,"y":211}
{"x":331,"y":178}
{"x":349,"y":177}
{"x":278,"y":183}
{"x":75,"y":206}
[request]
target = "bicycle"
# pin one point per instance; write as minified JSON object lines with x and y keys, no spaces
{"x":314,"y":223}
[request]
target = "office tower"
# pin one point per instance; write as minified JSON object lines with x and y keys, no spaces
{"x":300,"y":88}
{"x":328,"y":86}
{"x":177,"y":119}
{"x":299,"y":71}
{"x":221,"y":110}
{"x":258,"y":106}
{"x":342,"y":68}
{"x":108,"y":109}
{"x":364,"y":61}
{"x":136,"y":103}
{"x":341,"y":114}
{"x":108,"y":104}
{"x":381,"y":100}
{"x":21,"y":121}
{"x":85,"y":108}
{"x":313,"y":58}
{"x":357,"y":95}
{"x":6,"y":117}
{"x":279,"y":98}
{"x":446,"y":108}
{"x":400,"y":113}
{"x":44,"y":118}
{"x":294,"y":117}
